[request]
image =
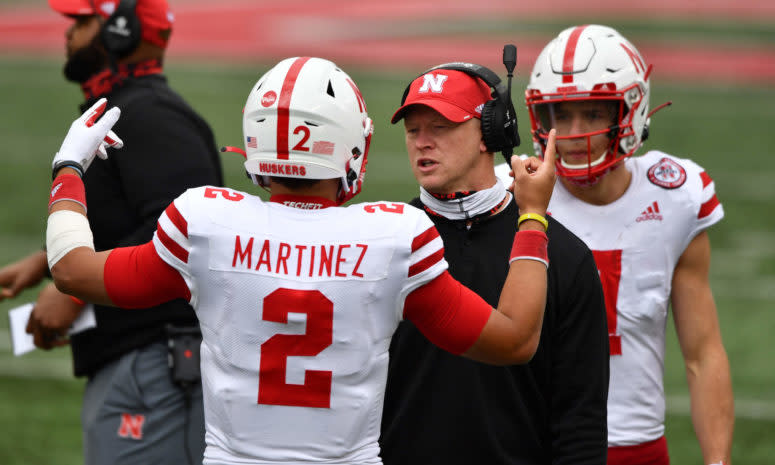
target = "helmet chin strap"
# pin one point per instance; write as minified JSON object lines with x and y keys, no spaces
{"x":590,"y":180}
{"x":596,"y":162}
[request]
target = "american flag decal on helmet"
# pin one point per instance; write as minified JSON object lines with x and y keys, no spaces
{"x":322,"y":147}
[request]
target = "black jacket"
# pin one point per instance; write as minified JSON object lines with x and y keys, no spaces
{"x":444,"y":409}
{"x":168,"y":148}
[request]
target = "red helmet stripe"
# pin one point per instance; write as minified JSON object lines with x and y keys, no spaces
{"x":570,"y":54}
{"x":639,"y":66}
{"x":358,"y":96}
{"x":283,"y":105}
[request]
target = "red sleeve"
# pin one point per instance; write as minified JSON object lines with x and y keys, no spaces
{"x":136,"y":277}
{"x":449,"y":314}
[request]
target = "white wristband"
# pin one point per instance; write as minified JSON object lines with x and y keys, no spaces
{"x":66,"y":231}
{"x":530,"y":257}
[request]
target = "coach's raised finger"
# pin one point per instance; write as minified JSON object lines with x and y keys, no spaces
{"x":550,"y":154}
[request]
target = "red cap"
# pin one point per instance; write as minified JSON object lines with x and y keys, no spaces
{"x":458,"y":96}
{"x":155,"y":16}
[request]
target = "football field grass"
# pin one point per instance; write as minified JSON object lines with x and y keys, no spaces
{"x":726,"y":129}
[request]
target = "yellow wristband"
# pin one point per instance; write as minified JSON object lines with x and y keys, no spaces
{"x":533,"y":216}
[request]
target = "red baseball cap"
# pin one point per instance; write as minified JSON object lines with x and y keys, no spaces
{"x":155,"y":16}
{"x":458,"y":96}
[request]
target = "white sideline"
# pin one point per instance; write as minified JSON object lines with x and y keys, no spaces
{"x":744,"y":408}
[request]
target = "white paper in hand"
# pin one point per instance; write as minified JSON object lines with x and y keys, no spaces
{"x":22,"y":342}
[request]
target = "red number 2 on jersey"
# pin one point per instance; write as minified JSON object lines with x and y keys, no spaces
{"x":609,"y":265}
{"x":392,"y":208}
{"x":272,"y":388}
{"x":212,"y":192}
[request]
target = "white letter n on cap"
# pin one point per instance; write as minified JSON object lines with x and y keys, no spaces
{"x":433,"y":82}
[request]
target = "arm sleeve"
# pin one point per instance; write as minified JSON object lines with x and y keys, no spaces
{"x":159,"y":165}
{"x":135,"y":277}
{"x":581,"y":370}
{"x":447,"y":313}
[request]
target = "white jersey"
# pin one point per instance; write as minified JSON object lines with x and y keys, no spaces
{"x":297,"y":310}
{"x":637,"y":241}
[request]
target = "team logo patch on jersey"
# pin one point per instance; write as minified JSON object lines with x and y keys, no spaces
{"x":667,"y":174}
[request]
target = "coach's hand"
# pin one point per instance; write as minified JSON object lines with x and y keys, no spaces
{"x":534,"y":179}
{"x":22,"y":274}
{"x":51,"y":318}
{"x":88,"y":137}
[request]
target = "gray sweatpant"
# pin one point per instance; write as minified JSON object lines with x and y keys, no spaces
{"x":133,"y":414}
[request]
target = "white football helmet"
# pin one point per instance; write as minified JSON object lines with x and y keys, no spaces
{"x":591,"y":62}
{"x":305,"y":118}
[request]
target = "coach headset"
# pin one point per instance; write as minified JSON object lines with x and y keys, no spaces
{"x":121,"y":31}
{"x":499,"y":120}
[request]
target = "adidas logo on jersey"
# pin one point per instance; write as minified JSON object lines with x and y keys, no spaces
{"x":651,"y":213}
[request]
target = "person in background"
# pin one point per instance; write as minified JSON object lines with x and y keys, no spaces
{"x":133,"y":410}
{"x":445,"y":410}
{"x":645,"y":219}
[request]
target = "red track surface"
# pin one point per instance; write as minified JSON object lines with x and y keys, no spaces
{"x":376,"y":34}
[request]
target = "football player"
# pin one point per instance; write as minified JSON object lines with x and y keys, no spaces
{"x":298,"y":297}
{"x":645,"y":219}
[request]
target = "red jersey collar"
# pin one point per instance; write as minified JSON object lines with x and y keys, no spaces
{"x":305,"y":202}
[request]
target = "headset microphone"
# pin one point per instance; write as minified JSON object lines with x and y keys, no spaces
{"x":510,"y":62}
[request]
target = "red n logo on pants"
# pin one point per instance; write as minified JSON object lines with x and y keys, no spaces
{"x":131,"y":426}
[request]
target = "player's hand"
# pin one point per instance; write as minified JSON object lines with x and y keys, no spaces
{"x":534,"y":179}
{"x":52,"y":316}
{"x":88,"y":137}
{"x":22,"y":274}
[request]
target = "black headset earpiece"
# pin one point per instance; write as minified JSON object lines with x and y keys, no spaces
{"x":499,"y":119}
{"x":120,"y":34}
